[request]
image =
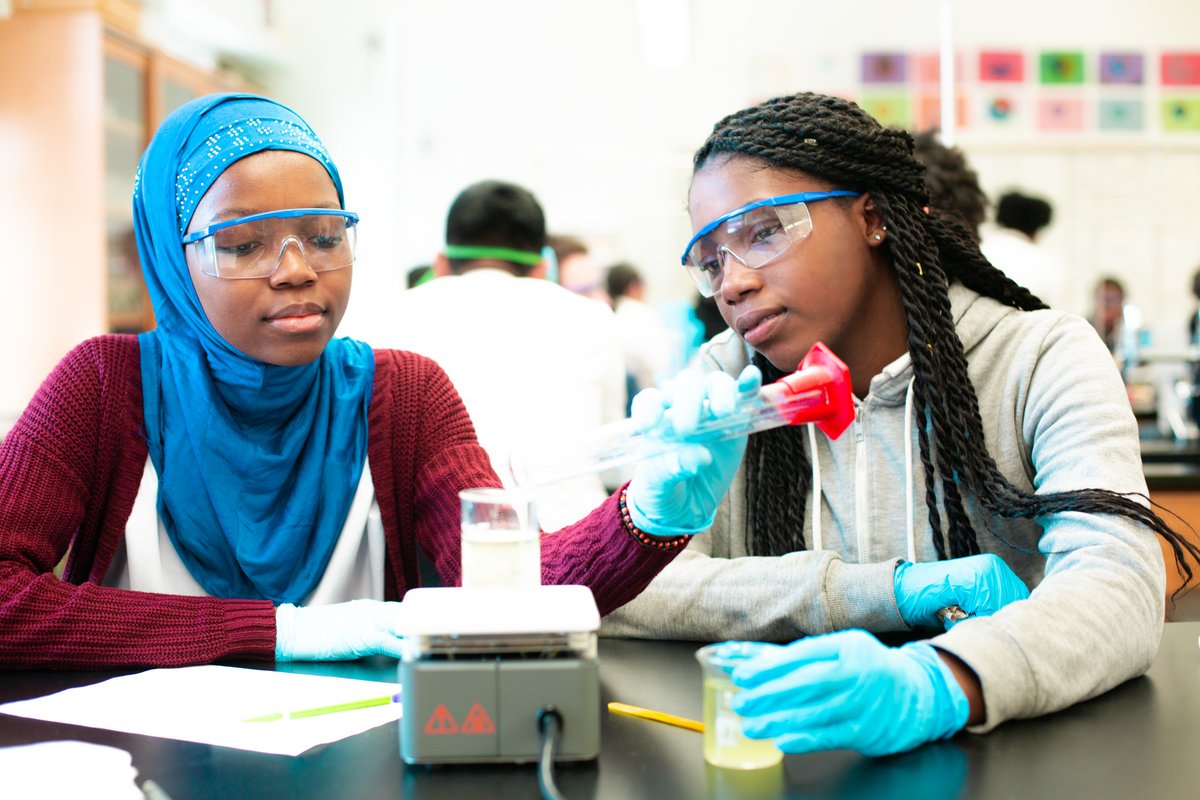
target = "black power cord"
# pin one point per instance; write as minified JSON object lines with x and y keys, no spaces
{"x":550,"y":725}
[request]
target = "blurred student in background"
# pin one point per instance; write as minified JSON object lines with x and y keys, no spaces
{"x":1193,"y":325}
{"x":645,"y":340}
{"x":530,"y":358}
{"x":206,"y":487}
{"x":577,"y":270}
{"x":1014,"y":249}
{"x":1108,"y":312}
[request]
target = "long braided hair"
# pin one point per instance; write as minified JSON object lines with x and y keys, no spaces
{"x":833,"y":139}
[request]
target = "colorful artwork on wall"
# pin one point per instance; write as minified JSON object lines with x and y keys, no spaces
{"x":1121,"y":68}
{"x":1181,"y":113}
{"x":1061,"y":66}
{"x":1001,"y":108}
{"x":928,"y":113}
{"x":884,"y":68}
{"x":926,"y":68}
{"x":1112,"y":91}
{"x":1061,"y":114}
{"x":1120,"y":115}
{"x":1001,"y":67}
{"x":890,"y":108}
{"x":1180,"y":69}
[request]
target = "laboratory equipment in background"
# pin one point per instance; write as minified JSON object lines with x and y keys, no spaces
{"x":1175,"y":399}
{"x":1161,"y":370}
{"x":500,"y":675}
{"x":819,"y":391}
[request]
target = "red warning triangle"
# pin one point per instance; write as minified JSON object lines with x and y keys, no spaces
{"x":441,"y":721}
{"x":478,"y":721}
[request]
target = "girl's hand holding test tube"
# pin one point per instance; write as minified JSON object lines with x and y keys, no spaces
{"x":677,"y":492}
{"x":688,"y":438}
{"x":697,"y":409}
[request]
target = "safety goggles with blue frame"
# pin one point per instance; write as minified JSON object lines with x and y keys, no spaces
{"x":253,"y":246}
{"x":754,"y":235}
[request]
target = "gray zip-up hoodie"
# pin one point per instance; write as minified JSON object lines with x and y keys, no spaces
{"x":1055,"y":418}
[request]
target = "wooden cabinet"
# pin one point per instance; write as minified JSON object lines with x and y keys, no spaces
{"x":1183,"y":514}
{"x":125,"y":131}
{"x":141,"y":87}
{"x":60,"y":57}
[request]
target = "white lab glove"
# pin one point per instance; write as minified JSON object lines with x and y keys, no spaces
{"x":338,"y":632}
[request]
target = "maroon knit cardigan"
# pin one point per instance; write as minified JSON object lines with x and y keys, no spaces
{"x":71,"y":467}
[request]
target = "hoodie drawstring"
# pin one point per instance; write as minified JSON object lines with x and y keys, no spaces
{"x":909,"y":505}
{"x":909,"y":517}
{"x":818,"y":544}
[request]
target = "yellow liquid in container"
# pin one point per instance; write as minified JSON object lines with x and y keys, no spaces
{"x":724,"y":744}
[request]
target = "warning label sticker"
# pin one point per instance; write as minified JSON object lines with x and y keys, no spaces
{"x":441,"y":721}
{"x":478,"y":721}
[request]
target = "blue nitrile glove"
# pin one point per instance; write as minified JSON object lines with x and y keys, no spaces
{"x":337,"y":632}
{"x":677,"y":493}
{"x":847,"y":690}
{"x":980,"y":585}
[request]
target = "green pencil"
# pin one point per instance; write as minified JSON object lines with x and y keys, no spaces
{"x":320,"y":710}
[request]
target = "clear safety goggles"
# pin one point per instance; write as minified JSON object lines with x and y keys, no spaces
{"x":754,"y":235}
{"x":253,"y":246}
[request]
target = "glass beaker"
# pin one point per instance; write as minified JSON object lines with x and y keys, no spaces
{"x":724,"y":743}
{"x":767,"y":783}
{"x":501,"y":546}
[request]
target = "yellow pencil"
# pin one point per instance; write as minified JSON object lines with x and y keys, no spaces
{"x":657,"y":716}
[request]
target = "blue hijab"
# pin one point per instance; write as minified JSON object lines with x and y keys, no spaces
{"x":257,"y":464}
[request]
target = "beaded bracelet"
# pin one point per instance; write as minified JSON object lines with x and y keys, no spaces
{"x":647,"y":539}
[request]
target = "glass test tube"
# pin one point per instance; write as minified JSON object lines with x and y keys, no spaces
{"x":819,"y":391}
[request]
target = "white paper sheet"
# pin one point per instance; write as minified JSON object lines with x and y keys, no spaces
{"x":68,"y":770}
{"x":208,"y":705}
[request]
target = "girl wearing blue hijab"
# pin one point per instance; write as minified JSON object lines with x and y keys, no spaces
{"x":265,"y":435}
{"x":257,"y":462}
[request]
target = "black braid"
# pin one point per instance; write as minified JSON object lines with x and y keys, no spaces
{"x":779,"y":522}
{"x":833,"y":139}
